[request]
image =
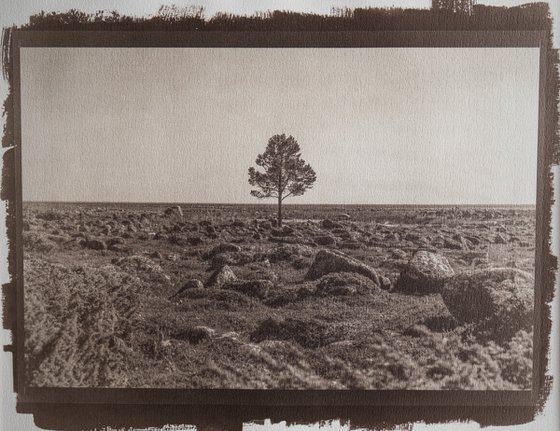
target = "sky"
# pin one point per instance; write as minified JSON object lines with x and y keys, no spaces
{"x":378,"y":125}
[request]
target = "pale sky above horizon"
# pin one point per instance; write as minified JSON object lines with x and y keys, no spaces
{"x":378,"y":125}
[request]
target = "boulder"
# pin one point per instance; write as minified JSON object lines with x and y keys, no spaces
{"x":327,"y":261}
{"x":499,"y":301}
{"x":254,"y":288}
{"x":426,"y":272}
{"x":221,"y":276}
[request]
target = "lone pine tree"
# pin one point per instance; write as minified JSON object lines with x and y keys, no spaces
{"x":285,"y":172}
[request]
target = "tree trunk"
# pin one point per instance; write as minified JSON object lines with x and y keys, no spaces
{"x":279,"y":211}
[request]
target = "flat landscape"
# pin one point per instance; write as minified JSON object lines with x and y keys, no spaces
{"x":339,"y":297}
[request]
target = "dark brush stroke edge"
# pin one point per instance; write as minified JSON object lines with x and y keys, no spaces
{"x":534,"y":17}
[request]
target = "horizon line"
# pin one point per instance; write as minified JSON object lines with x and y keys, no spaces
{"x":274,"y":204}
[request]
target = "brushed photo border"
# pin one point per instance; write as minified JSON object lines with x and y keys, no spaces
{"x":302,"y":39}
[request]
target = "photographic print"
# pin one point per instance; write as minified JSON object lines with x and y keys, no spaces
{"x":279,"y":218}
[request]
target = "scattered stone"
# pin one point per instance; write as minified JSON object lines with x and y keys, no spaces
{"x":500,"y":239}
{"x":121,"y":248}
{"x":352,"y":245}
{"x":173,"y":257}
{"x":417,"y":331}
{"x":453,"y":244}
{"x":222,"y":248}
{"x":308,"y":333}
{"x":265,"y":225}
{"x":288,"y":252}
{"x":329,"y":224}
{"x":195,"y":240}
{"x":344,"y":283}
{"x":156,"y":255}
{"x":284,"y":231}
{"x":231,"y":335}
{"x":193,"y":283}
{"x":325,"y":240}
{"x":196,"y":334}
{"x":115,"y":240}
{"x":385,"y":283}
{"x":239,"y":258}
{"x":95,"y":244}
{"x":238,"y":223}
{"x":300,"y":263}
{"x":327,"y":261}
{"x":254,"y":288}
{"x":174,"y":210}
{"x":37,"y":241}
{"x":221,"y":276}
{"x":397,"y":253}
{"x":425,"y":273}
{"x":143,"y":266}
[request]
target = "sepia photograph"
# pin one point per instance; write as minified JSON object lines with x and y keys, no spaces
{"x":279,"y":218}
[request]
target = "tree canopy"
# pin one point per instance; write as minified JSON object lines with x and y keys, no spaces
{"x":284,"y":173}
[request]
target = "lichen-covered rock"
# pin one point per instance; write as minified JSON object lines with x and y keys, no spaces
{"x":499,"y":301}
{"x":426,"y":272}
{"x":328,"y":261}
{"x":221,"y":276}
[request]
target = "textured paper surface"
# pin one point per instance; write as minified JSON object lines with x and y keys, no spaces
{"x":22,"y":422}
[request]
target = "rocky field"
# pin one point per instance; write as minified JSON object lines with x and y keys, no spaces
{"x":210,"y":296}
